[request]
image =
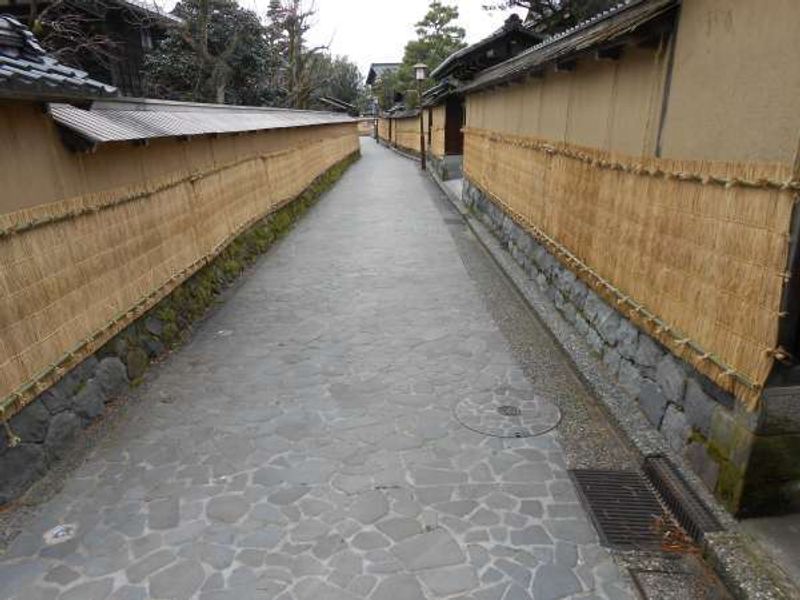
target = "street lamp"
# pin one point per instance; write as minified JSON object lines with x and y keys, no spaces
{"x":420,"y":74}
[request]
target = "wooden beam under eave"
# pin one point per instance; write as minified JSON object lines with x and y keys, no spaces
{"x":566,"y":66}
{"x":609,"y":53}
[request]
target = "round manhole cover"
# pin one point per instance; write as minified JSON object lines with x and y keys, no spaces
{"x":508,"y":418}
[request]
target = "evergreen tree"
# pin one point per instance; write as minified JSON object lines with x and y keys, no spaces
{"x":437,"y":38}
{"x":219,"y":55}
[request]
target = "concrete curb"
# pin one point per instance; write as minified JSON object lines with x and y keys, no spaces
{"x":730,"y":552}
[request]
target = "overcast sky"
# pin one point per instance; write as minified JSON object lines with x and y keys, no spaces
{"x":377,"y":30}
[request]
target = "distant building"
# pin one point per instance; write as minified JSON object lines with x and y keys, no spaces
{"x":132,"y":27}
{"x":378,"y":70}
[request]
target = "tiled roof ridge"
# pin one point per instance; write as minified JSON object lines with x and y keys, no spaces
{"x":585,"y":23}
{"x":15,"y":38}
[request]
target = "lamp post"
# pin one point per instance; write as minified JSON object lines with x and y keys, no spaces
{"x":420,"y":74}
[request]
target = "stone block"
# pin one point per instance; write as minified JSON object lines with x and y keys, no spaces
{"x":595,"y":309}
{"x":780,"y":411}
{"x":702,"y":464}
{"x":79,"y":374}
{"x":54,"y":400}
{"x":153,"y":347}
{"x":136,"y":363}
{"x":671,"y":377}
{"x":19,"y":467}
{"x":595,"y":342}
{"x":538,"y":256}
{"x":31,"y":423}
{"x":88,"y":402}
{"x":627,"y":339}
{"x":578,"y":293}
{"x":648,"y":352}
{"x":675,"y":428}
{"x":629,"y":378}
{"x":111,"y":376}
{"x":698,"y":407}
{"x":569,"y":312}
{"x":743,"y":442}
{"x":154,"y":326}
{"x":653,"y":402}
{"x":608,"y":328}
{"x":611,"y":359}
{"x":565,"y":280}
{"x":723,"y":429}
{"x":63,"y":431}
{"x":772,"y":478}
{"x":581,"y":325}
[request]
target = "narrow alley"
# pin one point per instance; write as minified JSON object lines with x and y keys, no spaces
{"x":307,"y":442}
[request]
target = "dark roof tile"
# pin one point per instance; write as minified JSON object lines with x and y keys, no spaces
{"x":27,"y":72}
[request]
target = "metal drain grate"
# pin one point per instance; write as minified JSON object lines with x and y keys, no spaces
{"x":688,"y":509}
{"x":625,"y":511}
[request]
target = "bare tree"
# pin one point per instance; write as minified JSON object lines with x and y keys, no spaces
{"x":553,"y":16}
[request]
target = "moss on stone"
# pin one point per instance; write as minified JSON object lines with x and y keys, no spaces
{"x":730,"y":485}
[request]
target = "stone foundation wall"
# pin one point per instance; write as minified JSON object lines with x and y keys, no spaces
{"x":751,"y":461}
{"x":46,"y":429}
{"x":446,"y":167}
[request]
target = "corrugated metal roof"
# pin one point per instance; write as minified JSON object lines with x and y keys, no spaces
{"x":27,"y":72}
{"x":133,"y":119}
{"x":600,"y":29}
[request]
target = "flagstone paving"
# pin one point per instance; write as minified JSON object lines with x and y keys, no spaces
{"x":303,"y":445}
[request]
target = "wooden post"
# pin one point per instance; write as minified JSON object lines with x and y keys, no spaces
{"x":421,"y":127}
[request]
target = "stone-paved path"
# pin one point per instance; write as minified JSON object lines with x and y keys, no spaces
{"x":303,"y":444}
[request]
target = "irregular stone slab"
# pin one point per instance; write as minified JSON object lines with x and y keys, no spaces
{"x":217,"y":556}
{"x":92,"y":590}
{"x":369,"y":507}
{"x":139,"y":570}
{"x":369,"y":540}
{"x":400,"y":528}
{"x":534,"y":535}
{"x":458,"y":508}
{"x":62,"y":575}
{"x":266,"y":537}
{"x":444,"y":582}
{"x":227,"y":509}
{"x":426,"y":476}
{"x":429,"y":550}
{"x":308,"y":530}
{"x":554,"y":581}
{"x":129,"y":592}
{"x":316,"y":589}
{"x":178,"y":582}
{"x":572,"y":530}
{"x":287,"y":496}
{"x":399,"y":587}
{"x":163,"y":513}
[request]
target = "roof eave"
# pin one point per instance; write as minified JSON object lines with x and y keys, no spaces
{"x":583,"y":30}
